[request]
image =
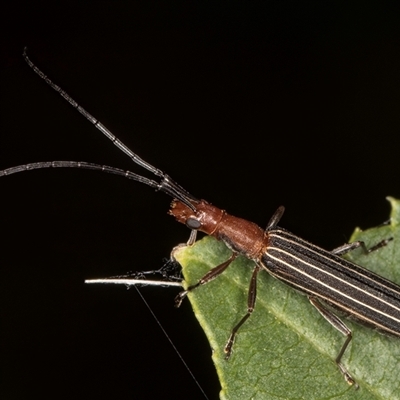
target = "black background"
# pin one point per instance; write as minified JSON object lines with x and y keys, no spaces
{"x":247,"y":104}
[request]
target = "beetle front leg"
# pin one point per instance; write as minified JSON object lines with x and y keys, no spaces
{"x":208,"y":277}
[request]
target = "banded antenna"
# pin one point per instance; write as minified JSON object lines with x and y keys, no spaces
{"x":166,"y":184}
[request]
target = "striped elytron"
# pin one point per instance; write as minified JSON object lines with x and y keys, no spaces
{"x":320,"y":274}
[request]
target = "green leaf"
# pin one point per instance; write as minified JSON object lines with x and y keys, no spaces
{"x":286,"y":350}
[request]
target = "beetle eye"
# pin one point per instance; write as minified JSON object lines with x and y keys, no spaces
{"x":193,"y":223}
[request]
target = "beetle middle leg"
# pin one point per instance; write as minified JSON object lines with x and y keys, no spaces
{"x":359,"y":243}
{"x":251,"y":301}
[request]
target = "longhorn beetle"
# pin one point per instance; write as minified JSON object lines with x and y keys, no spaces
{"x":322,"y":275}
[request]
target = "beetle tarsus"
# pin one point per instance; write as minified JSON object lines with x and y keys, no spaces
{"x":179,"y":298}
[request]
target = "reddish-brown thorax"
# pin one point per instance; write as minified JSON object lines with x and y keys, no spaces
{"x":241,"y":236}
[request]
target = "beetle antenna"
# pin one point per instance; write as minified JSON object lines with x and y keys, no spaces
{"x":166,"y":184}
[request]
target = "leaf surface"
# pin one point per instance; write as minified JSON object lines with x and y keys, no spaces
{"x":286,"y":350}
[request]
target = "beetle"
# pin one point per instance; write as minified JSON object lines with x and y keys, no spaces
{"x":324,"y":276}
